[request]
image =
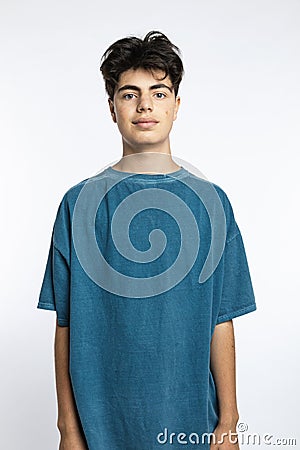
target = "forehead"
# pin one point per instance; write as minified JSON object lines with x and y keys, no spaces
{"x":143,"y":78}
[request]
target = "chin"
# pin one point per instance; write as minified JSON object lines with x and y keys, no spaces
{"x":145,"y":141}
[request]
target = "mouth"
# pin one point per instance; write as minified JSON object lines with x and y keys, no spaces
{"x":145,"y":123}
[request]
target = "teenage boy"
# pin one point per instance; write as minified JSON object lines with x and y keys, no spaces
{"x":145,"y":353}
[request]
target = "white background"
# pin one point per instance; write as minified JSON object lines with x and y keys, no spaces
{"x":238,"y":124}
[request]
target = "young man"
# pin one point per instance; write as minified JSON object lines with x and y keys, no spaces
{"x":144,"y":349}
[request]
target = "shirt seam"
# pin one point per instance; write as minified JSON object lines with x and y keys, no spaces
{"x":164,"y":178}
{"x":48,"y":305}
{"x":234,"y":314}
{"x":233,"y":237}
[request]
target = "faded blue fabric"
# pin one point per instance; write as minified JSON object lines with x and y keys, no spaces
{"x":140,"y":367}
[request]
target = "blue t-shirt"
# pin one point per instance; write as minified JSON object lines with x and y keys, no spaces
{"x":141,"y":268}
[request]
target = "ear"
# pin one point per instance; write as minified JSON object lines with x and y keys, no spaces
{"x":177,"y":104}
{"x":112,"y":110}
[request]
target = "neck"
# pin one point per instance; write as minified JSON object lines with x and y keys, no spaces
{"x":146,"y":160}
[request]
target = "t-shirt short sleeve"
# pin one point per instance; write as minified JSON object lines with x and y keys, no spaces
{"x":55,"y":291}
{"x":237,"y":290}
{"x":237,"y":294}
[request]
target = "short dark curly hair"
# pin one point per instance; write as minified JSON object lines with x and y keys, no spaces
{"x":154,"y":52}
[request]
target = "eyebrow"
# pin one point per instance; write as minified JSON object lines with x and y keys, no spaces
{"x":136,"y":88}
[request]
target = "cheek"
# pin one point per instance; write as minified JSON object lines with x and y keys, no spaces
{"x":169,"y":115}
{"x":121,"y":114}
{"x":169,"y":112}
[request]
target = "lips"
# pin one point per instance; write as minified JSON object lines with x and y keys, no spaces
{"x":145,"y":123}
{"x":145,"y":120}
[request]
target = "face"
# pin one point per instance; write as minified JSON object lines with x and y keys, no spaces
{"x":144,"y":107}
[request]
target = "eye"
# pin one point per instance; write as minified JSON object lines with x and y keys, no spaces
{"x":128,"y":96}
{"x":160,"y":95}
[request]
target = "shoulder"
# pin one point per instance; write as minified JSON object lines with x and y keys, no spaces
{"x":70,"y":196}
{"x":209,"y":190}
{"x":216,"y":202}
{"x":63,"y":220}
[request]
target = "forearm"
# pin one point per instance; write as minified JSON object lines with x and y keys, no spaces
{"x":67,"y":420}
{"x":224,"y":372}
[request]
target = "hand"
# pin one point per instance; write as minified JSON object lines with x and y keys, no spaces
{"x":72,"y":441}
{"x":226,"y":438}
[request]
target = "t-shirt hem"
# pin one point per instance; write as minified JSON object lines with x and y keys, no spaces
{"x":233,"y":314}
{"x":63,"y":322}
{"x":51,"y":307}
{"x":43,"y":305}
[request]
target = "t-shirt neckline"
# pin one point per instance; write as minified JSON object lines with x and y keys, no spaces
{"x":179,"y":173}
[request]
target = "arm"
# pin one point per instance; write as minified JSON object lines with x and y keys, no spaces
{"x":67,"y":421}
{"x":222,"y":363}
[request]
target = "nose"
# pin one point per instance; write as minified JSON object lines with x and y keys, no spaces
{"x":145,"y":103}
